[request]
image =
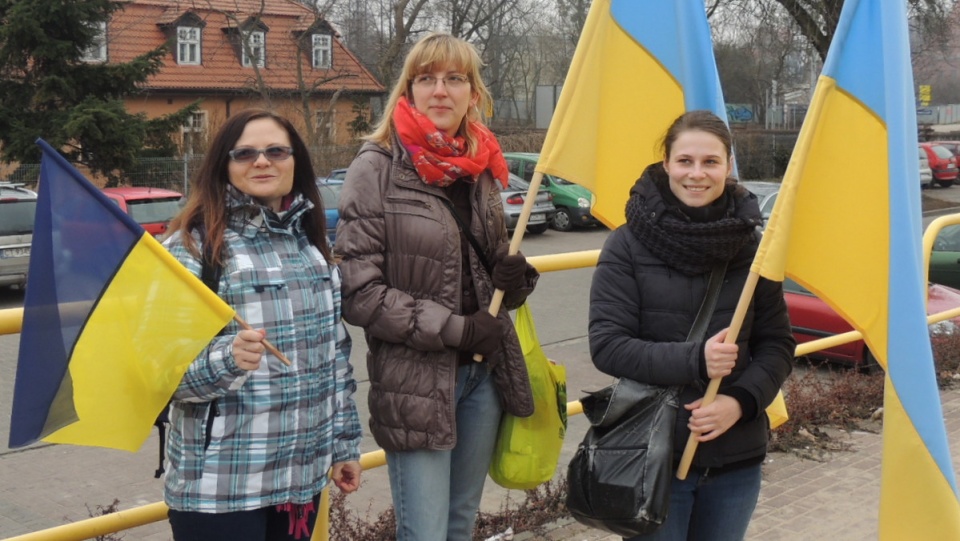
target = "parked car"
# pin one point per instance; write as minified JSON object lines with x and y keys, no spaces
{"x":18,"y":206}
{"x":943,"y":164}
{"x":952,"y":146}
{"x":152,"y":208}
{"x":766,"y":193}
{"x":926,"y":174}
{"x":572,"y":201}
{"x":812,"y":319}
{"x":945,"y":257}
{"x":338,"y":174}
{"x":541,"y":213}
{"x":330,"y":193}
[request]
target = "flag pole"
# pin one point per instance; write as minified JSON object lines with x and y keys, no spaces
{"x":516,"y":240}
{"x":266,"y":344}
{"x":733,"y":331}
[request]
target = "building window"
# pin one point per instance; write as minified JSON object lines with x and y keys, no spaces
{"x":97,"y":51}
{"x":254,"y":48}
{"x":188,"y":45}
{"x":321,"y":51}
{"x":196,"y":123}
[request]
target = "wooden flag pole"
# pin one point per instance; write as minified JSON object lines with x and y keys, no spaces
{"x":516,"y":240}
{"x":270,"y":347}
{"x":734,"y":330}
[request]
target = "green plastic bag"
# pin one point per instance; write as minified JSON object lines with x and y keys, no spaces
{"x":528,"y":448}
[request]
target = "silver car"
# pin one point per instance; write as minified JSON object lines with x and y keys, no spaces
{"x":926,"y":174}
{"x":766,"y":193}
{"x":541,"y":214}
{"x":18,"y":206}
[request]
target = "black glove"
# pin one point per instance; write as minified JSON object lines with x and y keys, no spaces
{"x":509,"y":271}
{"x":482,"y":333}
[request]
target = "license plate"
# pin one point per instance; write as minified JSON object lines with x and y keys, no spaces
{"x":537,"y":219}
{"x":15,"y":252}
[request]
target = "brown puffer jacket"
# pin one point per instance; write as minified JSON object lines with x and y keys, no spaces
{"x":401,"y":262}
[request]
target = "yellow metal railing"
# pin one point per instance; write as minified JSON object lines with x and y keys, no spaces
{"x":11,"y":320}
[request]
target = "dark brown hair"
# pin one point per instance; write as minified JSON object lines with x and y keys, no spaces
{"x":701,"y":120}
{"x":206,"y":205}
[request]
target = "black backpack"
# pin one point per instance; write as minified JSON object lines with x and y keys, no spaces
{"x":210,"y":276}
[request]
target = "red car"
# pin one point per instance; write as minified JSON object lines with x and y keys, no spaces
{"x":942,"y":162}
{"x":152,"y":208}
{"x":812,"y":319}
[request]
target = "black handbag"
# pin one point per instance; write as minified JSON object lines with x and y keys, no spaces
{"x":619,"y":479}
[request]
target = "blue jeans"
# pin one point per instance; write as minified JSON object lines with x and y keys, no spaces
{"x":436,"y":494}
{"x":708,"y":507}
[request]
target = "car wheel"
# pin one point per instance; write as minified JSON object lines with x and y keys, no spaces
{"x":869,"y":364}
{"x":945,"y":183}
{"x":562,"y":221}
{"x":537,"y":229}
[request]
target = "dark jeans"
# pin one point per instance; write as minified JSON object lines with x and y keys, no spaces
{"x":710,"y":507}
{"x":266,"y":524}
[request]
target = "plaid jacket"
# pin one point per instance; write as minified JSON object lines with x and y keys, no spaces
{"x":278,"y":429}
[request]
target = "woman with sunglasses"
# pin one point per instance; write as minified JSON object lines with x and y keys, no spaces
{"x":251,"y":438}
{"x":424,"y":245}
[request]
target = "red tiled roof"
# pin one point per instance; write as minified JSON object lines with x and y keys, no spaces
{"x":137,"y":29}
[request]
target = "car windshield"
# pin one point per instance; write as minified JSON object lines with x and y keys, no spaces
{"x":562,"y":181}
{"x":151,"y":211}
{"x":767,"y":208}
{"x":330,"y":193}
{"x":948,"y":240}
{"x":941,"y":152}
{"x":793,"y":287}
{"x":16,"y":216}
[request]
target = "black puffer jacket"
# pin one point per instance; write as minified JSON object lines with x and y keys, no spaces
{"x":641,"y":310}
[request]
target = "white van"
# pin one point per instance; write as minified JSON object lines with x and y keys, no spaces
{"x":18,"y":206}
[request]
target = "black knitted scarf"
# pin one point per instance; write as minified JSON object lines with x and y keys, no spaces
{"x":688,"y":239}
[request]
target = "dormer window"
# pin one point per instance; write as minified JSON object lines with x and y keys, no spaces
{"x":321,"y":51}
{"x":97,"y":50}
{"x":253,"y":48}
{"x":188,"y":45}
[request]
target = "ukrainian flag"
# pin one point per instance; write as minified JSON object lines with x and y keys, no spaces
{"x":111,"y":320}
{"x":638,"y":66}
{"x":847,"y":225}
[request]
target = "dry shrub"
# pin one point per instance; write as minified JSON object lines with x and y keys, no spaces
{"x":946,"y":358}
{"x":347,"y":526}
{"x":541,"y":506}
{"x":521,"y":141}
{"x":825,"y":396}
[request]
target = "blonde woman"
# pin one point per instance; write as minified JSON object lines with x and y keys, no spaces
{"x":424,"y":245}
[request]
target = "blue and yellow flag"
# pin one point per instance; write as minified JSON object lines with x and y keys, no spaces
{"x":110,"y":320}
{"x":637,"y":67}
{"x":847,"y":225}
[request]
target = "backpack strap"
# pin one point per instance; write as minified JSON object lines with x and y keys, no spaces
{"x":210,"y":276}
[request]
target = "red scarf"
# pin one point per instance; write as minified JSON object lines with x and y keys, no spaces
{"x":441,"y":159}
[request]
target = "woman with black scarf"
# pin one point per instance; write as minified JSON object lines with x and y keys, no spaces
{"x":685,"y":215}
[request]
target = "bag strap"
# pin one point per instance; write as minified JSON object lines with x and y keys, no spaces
{"x":699,"y":328}
{"x":473,"y":240}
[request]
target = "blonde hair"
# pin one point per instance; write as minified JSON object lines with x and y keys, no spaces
{"x":436,"y":51}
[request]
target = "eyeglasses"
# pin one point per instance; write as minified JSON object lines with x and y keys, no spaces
{"x":454,"y":80}
{"x":249,"y":154}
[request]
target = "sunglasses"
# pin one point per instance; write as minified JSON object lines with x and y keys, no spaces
{"x":249,"y":154}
